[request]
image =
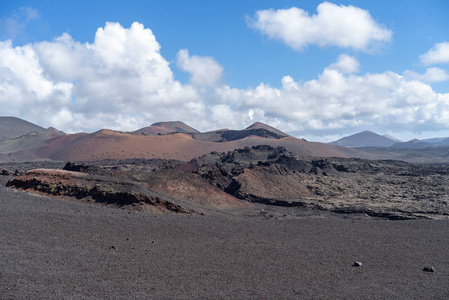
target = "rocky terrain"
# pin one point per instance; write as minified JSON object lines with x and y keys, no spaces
{"x":55,"y":249}
{"x":171,"y":213}
{"x":231,"y":181}
{"x":392,"y":189}
{"x":95,"y":189}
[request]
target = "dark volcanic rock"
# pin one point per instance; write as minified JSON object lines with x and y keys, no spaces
{"x":387,"y":189}
{"x":226,"y":135}
{"x":93,"y":170}
{"x":429,"y":269}
{"x":357,"y":264}
{"x":5,"y":173}
{"x":95,"y":189}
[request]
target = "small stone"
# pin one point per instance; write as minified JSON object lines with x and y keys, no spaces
{"x":113,"y":247}
{"x":152,"y":242}
{"x":5,"y":172}
{"x":357,"y":264}
{"x":429,"y":269}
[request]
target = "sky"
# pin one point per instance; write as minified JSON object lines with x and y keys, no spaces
{"x":318,"y":70}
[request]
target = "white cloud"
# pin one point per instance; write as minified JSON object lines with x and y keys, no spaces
{"x":345,"y":64}
{"x":431,"y":75}
{"x":24,"y":91}
{"x":119,"y":81}
{"x":340,"y":101}
{"x":204,"y":71}
{"x":438,"y":54}
{"x":333,"y":25}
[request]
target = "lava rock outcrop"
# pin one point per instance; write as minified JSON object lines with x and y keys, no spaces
{"x":261,"y":174}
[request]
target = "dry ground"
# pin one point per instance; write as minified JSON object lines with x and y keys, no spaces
{"x":56,"y":249}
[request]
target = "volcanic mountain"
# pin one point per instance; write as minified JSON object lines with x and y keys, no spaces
{"x":226,"y":135}
{"x":12,"y":127}
{"x":165,"y":140}
{"x":162,"y":128}
{"x":108,"y":144}
{"x":415,"y":143}
{"x":366,"y":139}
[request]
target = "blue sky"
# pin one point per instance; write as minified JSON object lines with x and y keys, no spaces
{"x":383,"y":66}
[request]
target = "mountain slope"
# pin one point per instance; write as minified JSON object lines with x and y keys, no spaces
{"x":12,"y":127}
{"x":415,"y":143}
{"x":226,"y":135}
{"x":268,"y":128}
{"x":109,"y":144}
{"x":392,"y":138}
{"x":166,"y":128}
{"x":443,"y":143}
{"x":365,"y":139}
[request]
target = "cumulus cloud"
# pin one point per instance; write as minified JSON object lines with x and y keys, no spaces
{"x":345,"y":64}
{"x":333,"y":25}
{"x":438,"y":54}
{"x":431,"y":75}
{"x":119,"y":81}
{"x":339,"y":100}
{"x":24,"y":90}
{"x":204,"y":71}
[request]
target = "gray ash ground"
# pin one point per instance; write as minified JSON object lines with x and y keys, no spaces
{"x":58,"y":249}
{"x":54,"y":249}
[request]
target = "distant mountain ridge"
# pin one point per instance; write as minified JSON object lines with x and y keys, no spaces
{"x":415,"y":143}
{"x":163,"y":140}
{"x":371,"y":139}
{"x":12,"y":127}
{"x":366,"y":139}
{"x":226,"y":135}
{"x":221,"y":135}
{"x":443,"y":141}
{"x":392,"y":138}
{"x":167,"y":128}
{"x":21,"y":140}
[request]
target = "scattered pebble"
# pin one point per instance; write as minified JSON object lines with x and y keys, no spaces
{"x":429,"y":269}
{"x":357,"y":264}
{"x":113,"y":247}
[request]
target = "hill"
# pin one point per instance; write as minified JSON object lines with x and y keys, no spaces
{"x":226,"y":135}
{"x":161,"y":128}
{"x":391,"y":137}
{"x":268,"y":128}
{"x":108,"y":144}
{"x":12,"y":127}
{"x":415,"y":143}
{"x":443,"y":143}
{"x":365,"y":139}
{"x":164,"y":140}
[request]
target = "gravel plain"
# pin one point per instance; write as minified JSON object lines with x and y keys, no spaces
{"x":57,"y":249}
